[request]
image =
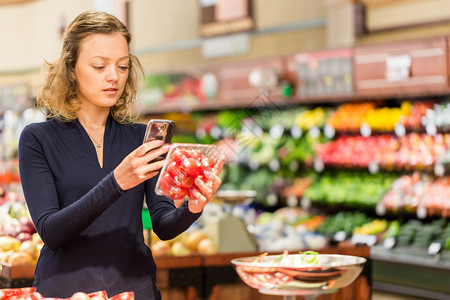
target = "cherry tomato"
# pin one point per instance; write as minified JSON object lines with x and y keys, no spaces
{"x":196,"y":154}
{"x":183,"y":180}
{"x":207,"y":164}
{"x":191,"y":166}
{"x":179,"y":155}
{"x":177,"y":193}
{"x":172,"y":168}
{"x":166,"y":183}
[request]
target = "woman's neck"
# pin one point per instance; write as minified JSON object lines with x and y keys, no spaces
{"x":93,"y":120}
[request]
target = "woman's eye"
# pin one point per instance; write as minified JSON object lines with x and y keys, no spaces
{"x":123,"y":68}
{"x":99,"y":67}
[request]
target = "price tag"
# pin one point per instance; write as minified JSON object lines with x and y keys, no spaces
{"x":434,"y":248}
{"x":305,"y":203}
{"x":292,"y":201}
{"x":367,"y":239}
{"x":439,"y":170}
{"x":272,"y":199}
{"x":274,"y":164}
{"x":398,"y":67}
{"x":365,"y":130}
{"x":216,"y":132}
{"x":400,"y":130}
{"x":431,"y":129}
{"x":296,"y":132}
{"x":340,"y":236}
{"x":276,"y":131}
{"x":389,"y":243}
{"x":200,"y":133}
{"x":380,"y":209}
{"x":318,"y":165}
{"x":257,"y":130}
{"x":374,"y":168}
{"x":421,"y":212}
{"x":329,"y":131}
{"x":314,"y":132}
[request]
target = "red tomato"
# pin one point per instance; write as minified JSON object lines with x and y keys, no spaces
{"x":183,"y":180}
{"x":123,"y":296}
{"x":207,"y":164}
{"x":177,"y":193}
{"x":191,"y":166}
{"x":99,"y":294}
{"x":196,"y":154}
{"x":179,"y":155}
{"x":166,"y":183}
{"x":172,"y":168}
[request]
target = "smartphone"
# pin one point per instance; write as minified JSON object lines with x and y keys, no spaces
{"x":159,"y":130}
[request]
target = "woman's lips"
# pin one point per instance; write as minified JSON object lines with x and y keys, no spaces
{"x":110,"y":91}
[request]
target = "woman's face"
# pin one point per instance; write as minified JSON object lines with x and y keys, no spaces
{"x":101,"y":70}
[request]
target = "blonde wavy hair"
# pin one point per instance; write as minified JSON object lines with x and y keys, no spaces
{"x":57,"y":97}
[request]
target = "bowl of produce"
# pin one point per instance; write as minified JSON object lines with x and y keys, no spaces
{"x":184,"y":164}
{"x":297,"y":274}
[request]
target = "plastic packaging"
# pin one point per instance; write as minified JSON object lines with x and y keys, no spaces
{"x":185,"y":163}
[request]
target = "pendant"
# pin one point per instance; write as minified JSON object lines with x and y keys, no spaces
{"x":99,"y":145}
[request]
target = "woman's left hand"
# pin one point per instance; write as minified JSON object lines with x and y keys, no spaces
{"x":205,"y":190}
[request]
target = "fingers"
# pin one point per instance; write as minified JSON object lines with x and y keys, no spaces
{"x":209,"y":188}
{"x":151,"y":155}
{"x":146,"y":147}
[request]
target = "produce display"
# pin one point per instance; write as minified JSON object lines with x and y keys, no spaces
{"x":412,"y":192}
{"x":184,"y":164}
{"x":187,"y":243}
{"x":355,"y":189}
{"x":350,"y":116}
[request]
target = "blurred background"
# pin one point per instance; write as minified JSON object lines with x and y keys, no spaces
{"x":334,"y":116}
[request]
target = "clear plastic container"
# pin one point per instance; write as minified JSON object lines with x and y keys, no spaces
{"x":185,"y":163}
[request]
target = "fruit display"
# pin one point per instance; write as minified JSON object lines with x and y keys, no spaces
{"x":312,"y":118}
{"x":194,"y":241}
{"x":419,"y":191}
{"x":350,"y":117}
{"x":417,"y":112}
{"x":438,"y":116}
{"x":415,"y":152}
{"x":355,"y":151}
{"x":384,"y":119}
{"x":15,"y":252}
{"x":186,"y":163}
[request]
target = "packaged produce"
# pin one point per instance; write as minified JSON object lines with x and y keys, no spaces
{"x":184,"y":164}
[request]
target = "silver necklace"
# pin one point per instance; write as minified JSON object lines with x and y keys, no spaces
{"x":98,"y":144}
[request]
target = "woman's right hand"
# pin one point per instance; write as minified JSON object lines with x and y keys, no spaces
{"x":136,"y":167}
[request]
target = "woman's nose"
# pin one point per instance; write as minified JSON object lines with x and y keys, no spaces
{"x":112,"y":74}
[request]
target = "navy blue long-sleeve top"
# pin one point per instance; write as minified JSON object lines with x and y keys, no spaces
{"x":92,"y":230}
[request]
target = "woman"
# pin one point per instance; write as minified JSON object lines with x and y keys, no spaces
{"x":85,"y":171}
